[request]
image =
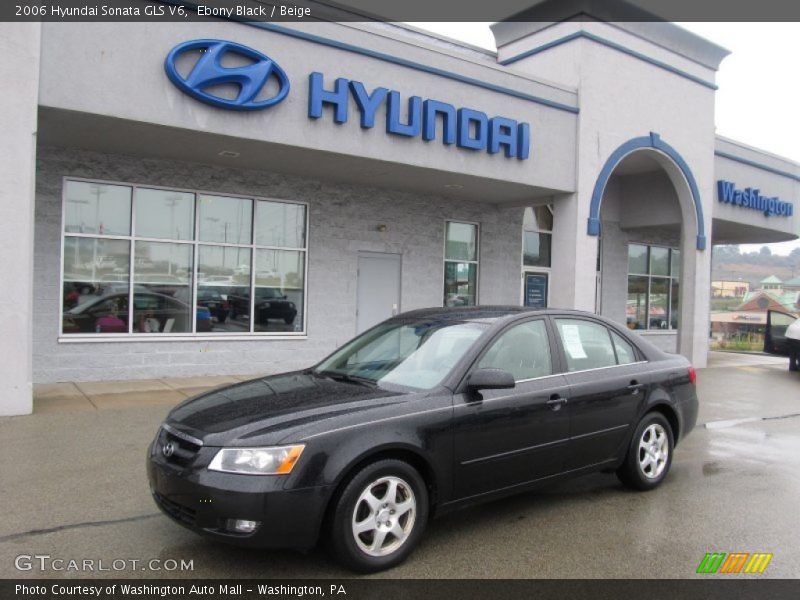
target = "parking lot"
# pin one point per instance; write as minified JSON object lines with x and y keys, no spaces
{"x":74,"y":487}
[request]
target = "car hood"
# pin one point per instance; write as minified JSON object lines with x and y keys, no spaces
{"x":264,"y":410}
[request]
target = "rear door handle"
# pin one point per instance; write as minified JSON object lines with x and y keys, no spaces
{"x":635,"y":386}
{"x":556,"y":401}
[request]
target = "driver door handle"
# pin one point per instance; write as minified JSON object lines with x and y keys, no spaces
{"x":556,"y":402}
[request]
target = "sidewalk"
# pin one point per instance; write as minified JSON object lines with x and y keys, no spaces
{"x":104,"y":395}
{"x":744,"y":359}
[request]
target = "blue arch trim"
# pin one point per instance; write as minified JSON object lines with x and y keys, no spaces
{"x":652,"y":141}
{"x":757,"y":165}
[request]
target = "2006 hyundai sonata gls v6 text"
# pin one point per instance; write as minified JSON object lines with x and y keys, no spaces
{"x":426,"y":412}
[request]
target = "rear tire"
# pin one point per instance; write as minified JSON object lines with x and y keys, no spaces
{"x":379,"y":517}
{"x":649,"y":455}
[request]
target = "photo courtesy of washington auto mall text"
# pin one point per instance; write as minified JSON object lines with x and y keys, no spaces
{"x":69,"y":591}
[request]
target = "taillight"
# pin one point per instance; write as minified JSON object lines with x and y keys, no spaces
{"x":692,"y":375}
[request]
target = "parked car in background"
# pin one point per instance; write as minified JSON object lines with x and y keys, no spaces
{"x":429,"y":411}
{"x":270,"y":303}
{"x":211,"y":299}
{"x":203,"y":317}
{"x":208,"y":298}
{"x":782,"y":337}
{"x":152,"y":311}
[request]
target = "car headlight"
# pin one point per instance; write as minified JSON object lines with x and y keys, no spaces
{"x":257,"y":461}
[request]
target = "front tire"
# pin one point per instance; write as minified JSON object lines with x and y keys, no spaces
{"x":379,"y":517}
{"x":649,"y":455}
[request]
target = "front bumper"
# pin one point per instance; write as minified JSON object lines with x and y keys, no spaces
{"x":204,"y":501}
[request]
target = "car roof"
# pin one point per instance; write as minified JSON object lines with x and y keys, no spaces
{"x":486,"y":314}
{"x":497,"y":316}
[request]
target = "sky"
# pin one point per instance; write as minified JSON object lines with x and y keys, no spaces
{"x":759,"y":87}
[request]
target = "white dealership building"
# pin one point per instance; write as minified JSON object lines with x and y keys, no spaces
{"x":217,"y":197}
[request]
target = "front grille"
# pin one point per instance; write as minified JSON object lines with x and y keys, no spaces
{"x":176,"y":510}
{"x":176,"y":447}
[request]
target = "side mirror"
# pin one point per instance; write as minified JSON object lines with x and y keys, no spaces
{"x":490,"y":379}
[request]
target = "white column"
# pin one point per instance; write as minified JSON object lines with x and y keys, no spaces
{"x":695,"y":286}
{"x":574,"y":255}
{"x":20,"y":45}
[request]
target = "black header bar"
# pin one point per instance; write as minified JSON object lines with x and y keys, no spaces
{"x":399,"y":10}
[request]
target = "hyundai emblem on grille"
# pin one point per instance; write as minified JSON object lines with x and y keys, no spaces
{"x":168,"y":449}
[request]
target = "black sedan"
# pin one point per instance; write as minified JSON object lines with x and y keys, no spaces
{"x":424,"y":413}
{"x":270,"y":304}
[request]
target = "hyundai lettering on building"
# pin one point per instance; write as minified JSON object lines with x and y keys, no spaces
{"x":752,"y":198}
{"x":466,"y":127}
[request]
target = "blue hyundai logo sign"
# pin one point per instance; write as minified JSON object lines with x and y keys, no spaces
{"x":209,"y":72}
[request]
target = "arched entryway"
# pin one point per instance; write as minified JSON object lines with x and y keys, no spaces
{"x":647,"y":210}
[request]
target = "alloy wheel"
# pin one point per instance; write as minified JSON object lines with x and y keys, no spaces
{"x":384,"y":516}
{"x":653,"y":451}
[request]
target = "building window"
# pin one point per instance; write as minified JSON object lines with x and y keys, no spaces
{"x":537,"y":235}
{"x":653,"y":287}
{"x":144,"y":261}
{"x":460,"y":264}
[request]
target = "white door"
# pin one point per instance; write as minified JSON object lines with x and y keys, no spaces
{"x":378,"y":288}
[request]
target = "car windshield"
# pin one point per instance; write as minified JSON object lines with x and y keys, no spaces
{"x":416,"y":354}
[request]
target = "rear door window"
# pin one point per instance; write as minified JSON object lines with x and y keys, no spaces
{"x":587,"y":345}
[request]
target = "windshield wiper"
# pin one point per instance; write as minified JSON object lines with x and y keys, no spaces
{"x":348,"y":378}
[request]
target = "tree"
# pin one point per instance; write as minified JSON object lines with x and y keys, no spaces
{"x":725,"y":254}
{"x":765,"y":251}
{"x":794,"y":261}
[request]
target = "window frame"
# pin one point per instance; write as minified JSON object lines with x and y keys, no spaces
{"x":195,"y":243}
{"x":540,"y":231}
{"x":556,"y":358}
{"x":671,"y":279}
{"x":554,"y":365}
{"x":640,"y":357}
{"x":475,"y":262}
{"x":535,"y":270}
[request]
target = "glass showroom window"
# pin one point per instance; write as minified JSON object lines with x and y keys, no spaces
{"x":653,"y":287}
{"x":182,"y":260}
{"x":537,"y":235}
{"x":460,"y":264}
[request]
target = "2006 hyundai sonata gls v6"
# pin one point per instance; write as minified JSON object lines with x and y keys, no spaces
{"x":423,"y":413}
